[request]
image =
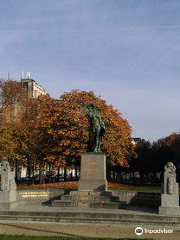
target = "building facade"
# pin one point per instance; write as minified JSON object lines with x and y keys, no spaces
{"x":34,"y":90}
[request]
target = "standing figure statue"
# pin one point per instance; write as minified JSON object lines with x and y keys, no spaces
{"x":7,"y":177}
{"x":169,"y":192}
{"x":170,"y":178}
{"x":96,"y":128}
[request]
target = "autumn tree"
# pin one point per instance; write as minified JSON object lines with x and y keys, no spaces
{"x":56,"y":131}
{"x":67,"y":126}
{"x":31,"y":136}
{"x":25,"y":143}
{"x":13,"y":97}
{"x":13,"y":101}
{"x":9,"y":147}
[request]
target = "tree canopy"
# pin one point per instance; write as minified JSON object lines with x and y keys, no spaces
{"x":46,"y":130}
{"x":67,"y":126}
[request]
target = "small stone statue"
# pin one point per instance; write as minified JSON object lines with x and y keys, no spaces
{"x":96,"y":129}
{"x":169,"y":192}
{"x":7,"y":177}
{"x":170,"y":179}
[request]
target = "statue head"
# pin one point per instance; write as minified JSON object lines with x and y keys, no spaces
{"x":93,"y":106}
{"x":170,"y":164}
{"x":5,"y":166}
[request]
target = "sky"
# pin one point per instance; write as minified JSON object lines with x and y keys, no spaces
{"x":127,"y":51}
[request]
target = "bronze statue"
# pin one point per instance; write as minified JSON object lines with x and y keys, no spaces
{"x":96,"y":128}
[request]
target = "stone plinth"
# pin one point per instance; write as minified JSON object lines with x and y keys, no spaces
{"x":169,"y":205}
{"x":92,"y":191}
{"x":8,"y":199}
{"x":93,"y":172}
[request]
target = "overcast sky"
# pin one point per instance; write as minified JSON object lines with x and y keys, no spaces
{"x":127,"y":51}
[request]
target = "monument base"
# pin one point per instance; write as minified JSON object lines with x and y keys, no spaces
{"x":169,"y":210}
{"x":8,"y":199}
{"x":92,"y":191}
{"x":169,"y":205}
{"x":93,"y":172}
{"x":88,"y":199}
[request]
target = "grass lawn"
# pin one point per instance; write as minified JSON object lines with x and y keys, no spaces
{"x":74,"y":185}
{"x":15,"y":237}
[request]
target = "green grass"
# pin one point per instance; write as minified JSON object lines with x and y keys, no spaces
{"x":147,"y":189}
{"x":111,"y":186}
{"x":17,"y":237}
{"x":128,"y":187}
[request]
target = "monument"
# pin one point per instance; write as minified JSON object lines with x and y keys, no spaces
{"x":169,"y":192}
{"x":92,"y":190}
{"x":8,"y":194}
{"x":93,"y":163}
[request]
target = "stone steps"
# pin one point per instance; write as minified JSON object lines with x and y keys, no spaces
{"x":112,"y":205}
{"x":66,"y":203}
{"x":89,"y":199}
{"x":91,"y":193}
{"x":86,"y":217}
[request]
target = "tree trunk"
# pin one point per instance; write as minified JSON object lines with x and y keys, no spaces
{"x":33,"y":175}
{"x":65,"y":174}
{"x":76,"y":173}
{"x":50,"y":179}
{"x":58,"y":174}
{"x":142,"y":177}
{"x":29,"y":175}
{"x":40,"y":174}
{"x":16,"y":171}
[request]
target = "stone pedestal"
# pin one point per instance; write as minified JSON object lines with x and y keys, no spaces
{"x":169,"y":205}
{"x":92,"y":191}
{"x":93,"y":172}
{"x":8,"y":199}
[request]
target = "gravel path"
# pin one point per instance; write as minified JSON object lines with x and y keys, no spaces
{"x":86,"y":230}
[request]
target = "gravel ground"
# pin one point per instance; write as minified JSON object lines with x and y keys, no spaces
{"x":78,"y":230}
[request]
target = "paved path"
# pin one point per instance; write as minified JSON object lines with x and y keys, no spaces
{"x":86,"y":230}
{"x":107,"y":230}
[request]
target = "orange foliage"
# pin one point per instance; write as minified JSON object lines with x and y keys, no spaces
{"x":73,"y":185}
{"x":67,"y":126}
{"x":56,"y":131}
{"x":60,"y":185}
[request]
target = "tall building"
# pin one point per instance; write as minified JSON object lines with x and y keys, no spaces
{"x":34,"y":90}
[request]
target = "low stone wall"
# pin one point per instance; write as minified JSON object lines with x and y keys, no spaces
{"x":147,"y":199}
{"x":34,"y":196}
{"x":136,"y":198}
{"x":125,"y":196}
